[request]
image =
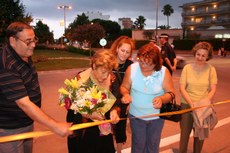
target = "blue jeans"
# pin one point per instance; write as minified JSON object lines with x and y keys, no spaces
{"x":19,"y":146}
{"x":146,"y":135}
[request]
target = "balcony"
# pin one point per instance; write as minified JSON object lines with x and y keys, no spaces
{"x":223,"y":10}
{"x":207,"y":23}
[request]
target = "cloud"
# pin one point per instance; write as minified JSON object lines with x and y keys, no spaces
{"x":50,"y":15}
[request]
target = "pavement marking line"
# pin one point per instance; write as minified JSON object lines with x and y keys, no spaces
{"x":175,"y":138}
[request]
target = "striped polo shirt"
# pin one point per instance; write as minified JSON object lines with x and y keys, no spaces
{"x":18,"y":79}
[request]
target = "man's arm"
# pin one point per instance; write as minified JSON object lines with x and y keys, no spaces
{"x":175,"y":63}
{"x":35,"y":113}
{"x":168,"y":62}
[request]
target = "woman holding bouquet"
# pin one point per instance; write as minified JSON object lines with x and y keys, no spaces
{"x":122,"y":48}
{"x":95,"y":139}
{"x":145,"y":86}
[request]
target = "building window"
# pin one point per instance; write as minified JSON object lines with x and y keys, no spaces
{"x":198,"y":20}
{"x":193,"y":9}
{"x":214,"y":6}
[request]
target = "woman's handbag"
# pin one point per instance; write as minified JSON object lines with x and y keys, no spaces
{"x":171,"y":107}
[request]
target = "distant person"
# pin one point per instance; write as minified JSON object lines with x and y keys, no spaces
{"x":168,"y":54}
{"x":122,"y":48}
{"x":145,"y":88}
{"x":223,"y":52}
{"x":20,"y":95}
{"x":197,"y":85}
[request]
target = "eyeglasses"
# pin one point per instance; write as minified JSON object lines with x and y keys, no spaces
{"x":28,"y":42}
{"x":142,"y":62}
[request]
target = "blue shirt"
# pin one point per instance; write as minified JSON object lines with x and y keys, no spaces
{"x":144,"y":90}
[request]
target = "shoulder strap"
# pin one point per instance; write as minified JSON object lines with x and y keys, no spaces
{"x":172,"y":97}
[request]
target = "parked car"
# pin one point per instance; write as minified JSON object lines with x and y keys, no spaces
{"x":1,"y":45}
{"x":181,"y":61}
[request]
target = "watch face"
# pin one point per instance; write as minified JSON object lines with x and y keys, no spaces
{"x":103,"y":42}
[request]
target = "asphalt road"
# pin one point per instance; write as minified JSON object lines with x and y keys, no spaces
{"x":218,"y":142}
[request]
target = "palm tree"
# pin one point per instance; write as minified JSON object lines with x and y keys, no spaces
{"x":140,"y":22}
{"x":167,"y":11}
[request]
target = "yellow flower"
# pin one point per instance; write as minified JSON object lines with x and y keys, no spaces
{"x":74,"y":83}
{"x":62,"y":104}
{"x":87,"y":103}
{"x":94,"y":93}
{"x":63,"y":91}
{"x":67,"y":82}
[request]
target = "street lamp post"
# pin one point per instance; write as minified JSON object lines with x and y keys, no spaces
{"x":64,"y":7}
{"x":156,"y":20}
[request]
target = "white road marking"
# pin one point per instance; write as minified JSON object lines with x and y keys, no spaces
{"x":175,"y":138}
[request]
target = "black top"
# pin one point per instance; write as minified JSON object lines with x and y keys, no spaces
{"x":168,"y":52}
{"x":18,"y":79}
{"x":122,"y":68}
{"x":120,"y":76}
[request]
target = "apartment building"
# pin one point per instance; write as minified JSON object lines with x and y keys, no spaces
{"x":206,"y":14}
{"x":96,"y":15}
{"x":125,"y":23}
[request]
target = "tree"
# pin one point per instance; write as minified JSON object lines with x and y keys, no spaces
{"x":126,"y":32}
{"x":164,"y":27}
{"x":88,"y":32}
{"x":140,"y":22}
{"x":148,"y":34}
{"x":78,"y":21}
{"x":42,"y":31}
{"x":112,"y":28}
{"x":167,"y":11}
{"x":11,"y":10}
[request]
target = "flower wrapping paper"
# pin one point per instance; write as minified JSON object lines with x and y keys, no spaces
{"x":85,"y":97}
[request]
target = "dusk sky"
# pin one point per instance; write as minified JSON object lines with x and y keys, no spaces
{"x":50,"y":15}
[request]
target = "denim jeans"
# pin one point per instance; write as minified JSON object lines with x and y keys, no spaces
{"x":146,"y":135}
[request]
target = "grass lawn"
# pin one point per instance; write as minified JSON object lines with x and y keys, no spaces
{"x":46,"y":60}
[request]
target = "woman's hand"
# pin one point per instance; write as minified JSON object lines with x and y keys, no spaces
{"x":114,"y":116}
{"x":157,"y":102}
{"x":126,"y":99}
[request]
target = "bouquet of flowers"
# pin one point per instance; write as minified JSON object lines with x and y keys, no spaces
{"x":85,"y":97}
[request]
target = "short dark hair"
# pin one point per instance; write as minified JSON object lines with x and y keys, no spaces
{"x":14,"y":28}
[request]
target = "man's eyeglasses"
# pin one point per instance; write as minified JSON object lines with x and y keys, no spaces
{"x":28,"y":42}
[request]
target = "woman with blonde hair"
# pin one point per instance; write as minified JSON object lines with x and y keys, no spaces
{"x":92,"y":140}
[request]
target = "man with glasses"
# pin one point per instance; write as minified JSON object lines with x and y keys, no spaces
{"x":20,"y":95}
